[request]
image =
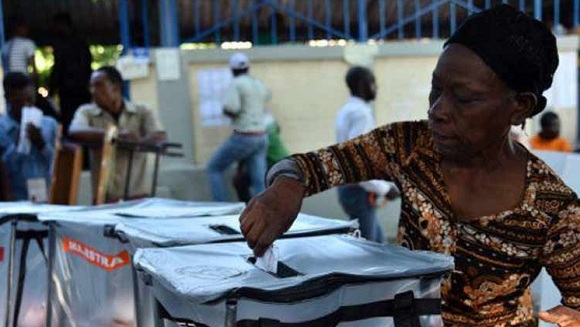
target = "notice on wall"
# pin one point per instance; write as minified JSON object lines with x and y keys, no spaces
{"x":132,"y":68}
{"x":168,"y":64}
{"x":564,"y":91}
{"x":360,"y":54}
{"x":134,"y":64}
{"x":212,"y":84}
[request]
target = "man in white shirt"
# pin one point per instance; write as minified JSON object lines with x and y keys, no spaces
{"x":244,"y":102}
{"x":360,"y":201}
{"x":19,"y":50}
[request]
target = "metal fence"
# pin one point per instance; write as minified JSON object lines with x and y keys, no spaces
{"x":174,"y":22}
{"x":292,"y":21}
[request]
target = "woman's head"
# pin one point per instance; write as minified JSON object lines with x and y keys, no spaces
{"x":490,"y":76}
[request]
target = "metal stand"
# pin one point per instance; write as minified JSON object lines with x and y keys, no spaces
{"x":51,"y":259}
{"x":137,"y":297}
{"x":157,"y":318}
{"x":231,"y":312}
{"x":159,"y":149}
{"x":10,"y":282}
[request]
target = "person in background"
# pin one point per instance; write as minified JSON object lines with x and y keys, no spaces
{"x":18,"y":55}
{"x":136,"y":123}
{"x":22,"y":167}
{"x":549,"y":138}
{"x":276,"y":148}
{"x":244,"y":102}
{"x":468,"y":191}
{"x":71,"y":72}
{"x":360,"y":201}
{"x":276,"y":152}
{"x":18,"y":52}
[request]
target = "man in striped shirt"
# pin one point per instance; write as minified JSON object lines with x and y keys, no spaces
{"x":18,"y":53}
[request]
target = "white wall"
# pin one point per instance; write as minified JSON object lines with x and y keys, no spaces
{"x":308,"y":88}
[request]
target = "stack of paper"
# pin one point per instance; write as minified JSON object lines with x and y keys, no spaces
{"x":30,"y":115}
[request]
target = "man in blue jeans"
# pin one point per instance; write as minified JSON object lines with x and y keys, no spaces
{"x":244,"y":102}
{"x":360,"y":201}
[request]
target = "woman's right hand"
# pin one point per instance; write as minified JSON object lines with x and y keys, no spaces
{"x":271,"y":213}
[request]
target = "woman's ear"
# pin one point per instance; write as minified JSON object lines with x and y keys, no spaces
{"x":523,"y":106}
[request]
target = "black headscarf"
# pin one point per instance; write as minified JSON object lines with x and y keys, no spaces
{"x":518,"y":48}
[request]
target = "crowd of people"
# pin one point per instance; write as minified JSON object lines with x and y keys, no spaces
{"x":88,"y":103}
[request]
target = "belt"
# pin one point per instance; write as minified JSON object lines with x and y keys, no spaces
{"x":250,"y":133}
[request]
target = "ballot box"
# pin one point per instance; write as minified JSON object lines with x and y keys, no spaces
{"x":81,"y":252}
{"x":93,"y":279}
{"x":332,"y":280}
{"x":23,"y":263}
{"x":217,"y":229}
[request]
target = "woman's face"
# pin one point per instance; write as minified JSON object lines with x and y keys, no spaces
{"x":470,"y":107}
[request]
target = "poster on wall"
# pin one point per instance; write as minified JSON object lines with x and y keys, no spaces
{"x":362,"y":55}
{"x":168,"y":64}
{"x":134,"y":64}
{"x":212,"y":84}
{"x":132,"y":68}
{"x":564,"y":91}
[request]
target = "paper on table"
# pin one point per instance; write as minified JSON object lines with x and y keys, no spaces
{"x":30,"y":115}
{"x":269,"y":261}
{"x":37,"y":190}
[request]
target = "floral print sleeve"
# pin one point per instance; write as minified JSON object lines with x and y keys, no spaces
{"x":375,"y":155}
{"x":561,"y":253}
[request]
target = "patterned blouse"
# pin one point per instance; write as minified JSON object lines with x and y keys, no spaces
{"x":497,"y":256}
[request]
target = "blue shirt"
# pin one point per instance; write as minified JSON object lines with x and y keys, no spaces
{"x":21,"y":167}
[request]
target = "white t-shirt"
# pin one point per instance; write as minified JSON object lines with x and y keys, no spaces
{"x":245,"y":98}
{"x":353,"y":119}
{"x":17,"y":52}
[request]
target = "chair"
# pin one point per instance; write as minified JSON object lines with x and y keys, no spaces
{"x":66,"y":172}
{"x":5,"y":191}
{"x":106,"y":165}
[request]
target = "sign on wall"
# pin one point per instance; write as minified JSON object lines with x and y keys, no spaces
{"x":135,"y":64}
{"x":212,"y":84}
{"x":168,"y":64}
{"x":564,"y":91}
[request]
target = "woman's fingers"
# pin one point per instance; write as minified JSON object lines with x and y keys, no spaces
{"x":562,"y":316}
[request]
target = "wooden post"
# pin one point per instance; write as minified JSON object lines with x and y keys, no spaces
{"x":107,"y":164}
{"x":66,"y":172}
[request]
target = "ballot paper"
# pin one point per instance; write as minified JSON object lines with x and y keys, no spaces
{"x":30,"y":115}
{"x":269,"y":261}
{"x":37,"y":190}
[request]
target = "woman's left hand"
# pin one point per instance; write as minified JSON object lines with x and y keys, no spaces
{"x":561,"y":316}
